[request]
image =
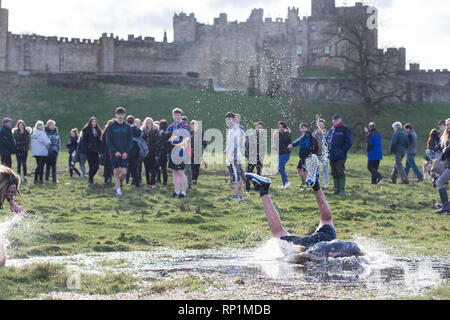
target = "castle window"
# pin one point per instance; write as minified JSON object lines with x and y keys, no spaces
{"x":313,"y":28}
{"x":299,"y":50}
{"x":327,"y":50}
{"x":314,"y":51}
{"x":300,"y":28}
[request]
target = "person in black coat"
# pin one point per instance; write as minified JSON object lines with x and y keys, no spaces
{"x":283,"y":133}
{"x":106,"y":156}
{"x":133,"y":157}
{"x":152,"y":136}
{"x":7,"y":144}
{"x":164,"y":149}
{"x":92,"y":134}
{"x":22,"y":138}
{"x":72,"y":145}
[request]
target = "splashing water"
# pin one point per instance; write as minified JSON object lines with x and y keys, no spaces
{"x":5,"y":228}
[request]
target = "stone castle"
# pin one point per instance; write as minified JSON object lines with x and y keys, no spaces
{"x":230,"y":53}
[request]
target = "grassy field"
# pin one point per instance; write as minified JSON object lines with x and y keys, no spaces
{"x":73,"y":217}
{"x":20,"y":98}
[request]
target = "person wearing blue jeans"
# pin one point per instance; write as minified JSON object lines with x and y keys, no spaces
{"x":283,"y":133}
{"x":411,"y":153}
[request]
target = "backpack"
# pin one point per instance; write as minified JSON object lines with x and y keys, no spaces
{"x":143,"y":147}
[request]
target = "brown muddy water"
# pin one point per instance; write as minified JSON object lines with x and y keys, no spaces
{"x":265,"y":272}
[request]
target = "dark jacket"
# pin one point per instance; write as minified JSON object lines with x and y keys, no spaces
{"x":82,"y":146}
{"x":165,"y":147}
{"x":308,"y":145}
{"x":136,"y":133}
{"x":434,"y":144}
{"x":412,"y":138}
{"x":7,"y":145}
{"x":22,"y":139}
{"x":374,"y":146}
{"x":446,"y":154}
{"x":55,"y":143}
{"x":340,"y":140}
{"x":153,"y":138}
{"x":92,"y":140}
{"x":400,"y":142}
{"x":73,"y":145}
{"x":258,"y":150}
{"x":119,"y":138}
{"x":284,"y":141}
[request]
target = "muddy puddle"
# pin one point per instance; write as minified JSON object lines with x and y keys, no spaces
{"x":265,"y":272}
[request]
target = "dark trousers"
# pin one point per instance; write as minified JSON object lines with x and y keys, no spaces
{"x":151,"y":169}
{"x":50,"y":164}
{"x":94,"y":164}
{"x":338,"y":168}
{"x":6,"y":160}
{"x":162,"y":168}
{"x":195,"y":172}
{"x":250,"y":169}
{"x":107,"y":169}
{"x":39,"y":172}
{"x":133,"y":164}
{"x":22,"y":157}
{"x":72,"y":166}
{"x":373,"y":168}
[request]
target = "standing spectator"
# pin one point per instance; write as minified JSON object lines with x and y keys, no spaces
{"x":39,"y":150}
{"x":138,"y":124}
{"x":339,"y":142}
{"x":445,"y":177}
{"x":7,"y":144}
{"x":21,"y":134}
{"x":442,"y":128}
{"x":82,"y":153}
{"x":134,"y":153}
{"x":152,"y":136}
{"x":308,"y":146}
{"x":179,"y":138}
{"x":434,"y":149}
{"x":411,"y":153}
{"x":320,"y":136}
{"x":283,"y":136}
{"x":399,"y":145}
{"x":92,"y":134}
{"x":164,"y":150}
{"x":106,"y":156}
{"x":374,"y":152}
{"x":72,"y":145}
{"x":119,"y":140}
{"x":255,"y":151}
{"x":197,"y":146}
{"x":53,"y":152}
{"x":234,"y":155}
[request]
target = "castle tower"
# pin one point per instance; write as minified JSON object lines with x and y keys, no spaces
{"x":3,"y":37}
{"x":184,"y":28}
{"x":107,"y":54}
{"x":322,"y":7}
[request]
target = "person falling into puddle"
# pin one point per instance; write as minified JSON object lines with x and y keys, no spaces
{"x":9,"y":188}
{"x":322,"y":243}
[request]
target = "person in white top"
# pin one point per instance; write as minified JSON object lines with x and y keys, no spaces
{"x":234,"y":155}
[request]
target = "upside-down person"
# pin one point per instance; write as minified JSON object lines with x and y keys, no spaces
{"x":9,"y":188}
{"x":323,"y":242}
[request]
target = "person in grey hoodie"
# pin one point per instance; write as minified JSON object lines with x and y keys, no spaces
{"x":411,"y":152}
{"x":399,"y":145}
{"x":39,"y":150}
{"x":53,"y":151}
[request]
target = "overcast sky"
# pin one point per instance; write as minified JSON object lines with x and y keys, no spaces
{"x":422,"y":27}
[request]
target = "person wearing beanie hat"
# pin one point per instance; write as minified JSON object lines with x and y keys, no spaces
{"x":374,"y":152}
{"x":399,"y":145}
{"x":7,"y":144}
{"x":322,"y":242}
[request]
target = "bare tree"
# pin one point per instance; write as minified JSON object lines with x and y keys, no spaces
{"x":353,"y":46}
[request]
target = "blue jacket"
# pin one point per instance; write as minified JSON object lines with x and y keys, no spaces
{"x":374,"y":147}
{"x":400,"y":142}
{"x":339,"y":142}
{"x":307,"y":143}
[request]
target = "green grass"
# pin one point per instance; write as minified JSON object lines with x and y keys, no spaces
{"x":73,"y":217}
{"x":32,"y":100}
{"x":36,"y":279}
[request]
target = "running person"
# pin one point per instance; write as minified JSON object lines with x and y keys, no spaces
{"x":119,"y":140}
{"x":234,"y":155}
{"x":323,"y":242}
